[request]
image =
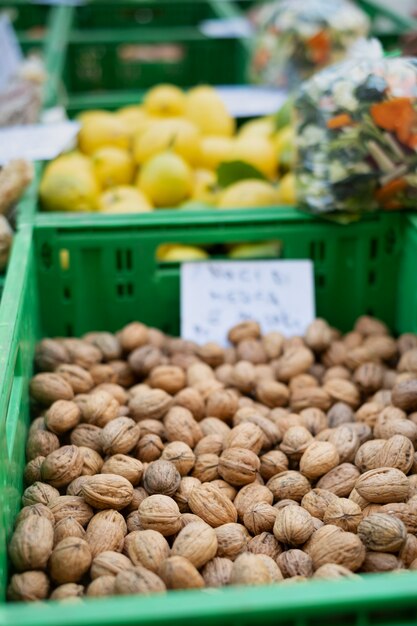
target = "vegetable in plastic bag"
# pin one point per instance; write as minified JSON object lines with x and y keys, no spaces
{"x":295,"y":38}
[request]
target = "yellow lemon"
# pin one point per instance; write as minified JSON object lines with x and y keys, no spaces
{"x":214,"y":150}
{"x":113,"y":166}
{"x":248,"y":193}
{"x":166,"y":179}
{"x":286,"y":190}
{"x":90,"y":114}
{"x":66,"y":190}
{"x":262,"y":127}
{"x":177,"y":134}
{"x":261,"y":250}
{"x":103,"y":129}
{"x":135,"y":117}
{"x":207,"y":110}
{"x":124,"y":199}
{"x":71,"y":162}
{"x":284,"y":142}
{"x":257,"y":151}
{"x":165,"y":101}
{"x":205,"y":186}
{"x":178,"y":253}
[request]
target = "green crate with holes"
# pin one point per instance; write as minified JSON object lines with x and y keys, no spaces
{"x":68,"y":279}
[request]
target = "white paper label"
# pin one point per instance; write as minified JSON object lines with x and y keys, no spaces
{"x":10,"y":52}
{"x":216,"y":295}
{"x":36,"y":142}
{"x":251,"y":101}
{"x":227,"y":28}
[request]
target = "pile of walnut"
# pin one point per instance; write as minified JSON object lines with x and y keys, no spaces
{"x":158,"y":464}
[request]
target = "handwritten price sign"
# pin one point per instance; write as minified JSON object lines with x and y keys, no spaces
{"x":215,"y":295}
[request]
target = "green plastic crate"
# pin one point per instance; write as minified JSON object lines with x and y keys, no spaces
{"x":38,"y":301}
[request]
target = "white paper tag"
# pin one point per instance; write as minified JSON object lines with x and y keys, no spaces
{"x":216,"y":295}
{"x":10,"y":52}
{"x":251,"y":101}
{"x":37,"y":142}
{"x":227,"y":28}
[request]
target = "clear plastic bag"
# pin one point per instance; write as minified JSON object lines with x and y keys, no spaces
{"x":356,"y":127}
{"x":295,"y":38}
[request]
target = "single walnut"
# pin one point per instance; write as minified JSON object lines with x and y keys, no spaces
{"x":144,"y":359}
{"x":317,"y":501}
{"x":273,"y":462}
{"x":180,"y":425}
{"x":346,"y":442}
{"x":32,"y":471}
{"x":270,"y":430}
{"x":109,"y":563}
{"x":81,"y":352}
{"x":295,"y":442}
{"x":210,"y":444}
{"x":87,"y":435}
{"x":251,"y":350}
{"x":382,"y":485}
{"x":49,"y":354}
{"x":380,"y":562}
{"x":238,"y":466}
{"x":293,"y":525}
{"x":289,"y":484}
{"x":214,"y":426}
{"x":67,"y":527}
{"x":382,"y":533}
{"x":180,"y":455}
{"x":340,"y":480}
{"x":149,"y":404}
{"x":126,"y":466}
{"x":217,"y":572}
{"x":367,"y":456}
{"x":182,"y":494}
{"x":149,"y":448}
{"x":408,"y":552}
{"x":307,"y":397}
{"x":107,"y":343}
{"x":47,"y":388}
{"x":246,"y":435}
{"x":206,"y":467}
{"x":107,"y":491}
{"x":331,"y":544}
{"x":61,"y":466}
{"x":74,"y":488}
{"x":294,"y":361}
{"x":31,"y":543}
{"x":232,"y":539}
{"x":101,"y":587}
{"x":120,"y":436}
{"x":406,"y":512}
{"x":343,"y":513}
{"x":340,"y":413}
{"x":39,"y":493}
{"x":212,"y":505}
{"x":295,"y":563}
{"x":250,"y":569}
{"x":272,"y":393}
{"x":265,"y":543}
{"x":114,"y":390}
{"x":404,"y":395}
{"x":92,"y":461}
{"x":318,"y":336}
{"x":152,"y":427}
{"x":333,"y":571}
{"x":70,"y":560}
{"x":79,"y":378}
{"x":161,"y":513}
{"x":397,"y":452}
{"x":63,"y":507}
{"x":191,"y":399}
{"x":211,"y":353}
{"x":161,"y":477}
{"x":102,"y":373}
{"x":272,"y":567}
{"x":41,"y":443}
{"x":133,"y":522}
{"x":243,"y":376}
{"x":28,"y":587}
{"x":100,"y":408}
{"x":124,"y":373}
{"x":148,"y":548}
{"x":197,"y":542}
{"x":106,"y":531}
{"x":260,"y":517}
{"x":133,"y":336}
{"x":68,"y":591}
{"x":177,"y":572}
{"x":39,"y":510}
{"x":228,"y":490}
{"x":138,"y":580}
{"x":62,"y":415}
{"x":221,"y":403}
{"x":244,"y":330}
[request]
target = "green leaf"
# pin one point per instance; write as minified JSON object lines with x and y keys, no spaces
{"x":283,"y":117}
{"x":232,"y":172}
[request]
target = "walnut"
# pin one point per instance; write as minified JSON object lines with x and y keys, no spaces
{"x":49,"y":354}
{"x":260,"y":517}
{"x":32,"y":471}
{"x":31,"y":543}
{"x":293,"y":525}
{"x":246,"y":435}
{"x":79,"y":378}
{"x":70,"y":560}
{"x":120,"y":436}
{"x":28,"y":587}
{"x":244,"y":330}
{"x":126,"y":466}
{"x":87,"y":435}
{"x":343,"y":513}
{"x":192,"y":400}
{"x":265,"y":543}
{"x":68,"y":591}
{"x":397,"y":452}
{"x":180,"y":425}
{"x":249,"y":569}
{"x":161,"y":477}
{"x":317,"y":501}
{"x":197,"y":542}
{"x":206,"y":467}
{"x":41,"y":443}
{"x":289,"y":484}
{"x":107,"y":491}
{"x":61,"y":466}
{"x":232,"y":540}
{"x":294,"y":361}
{"x":210,"y":444}
{"x":47,"y":388}
{"x":273,"y":462}
{"x":149,"y":404}
{"x":310,"y":397}
{"x":167,"y":377}
{"x":62,"y":415}
{"x":148,"y":548}
{"x":382,"y":533}
{"x":161,"y":513}
{"x":340,"y":480}
{"x":318,"y":459}
{"x":177,"y":572}
{"x":333,"y":571}
{"x":380,"y":562}
{"x":346,"y":442}
{"x":100,"y":408}
{"x":295,"y":441}
{"x":212,"y":505}
{"x":383,"y":485}
{"x":238,"y":466}
{"x":295,"y":562}
{"x":138,"y":580}
{"x":39,"y":510}
{"x":404,"y":395}
{"x":39,"y":493}
{"x":272,"y":393}
{"x":149,"y":448}
{"x":67,"y":527}
{"x":318,"y":336}
{"x":217,"y":572}
{"x":340,"y":413}
{"x":331,"y":544}
{"x":180,"y":455}
{"x":243,"y":376}
{"x":101,"y":587}
{"x":106,"y":531}
{"x":63,"y":507}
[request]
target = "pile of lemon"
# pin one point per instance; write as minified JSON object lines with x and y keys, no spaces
{"x":165,"y":153}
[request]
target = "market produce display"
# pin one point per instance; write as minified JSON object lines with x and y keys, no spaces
{"x":154,"y":463}
{"x":294,"y":39}
{"x":357,"y":137}
{"x":176,"y":150}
